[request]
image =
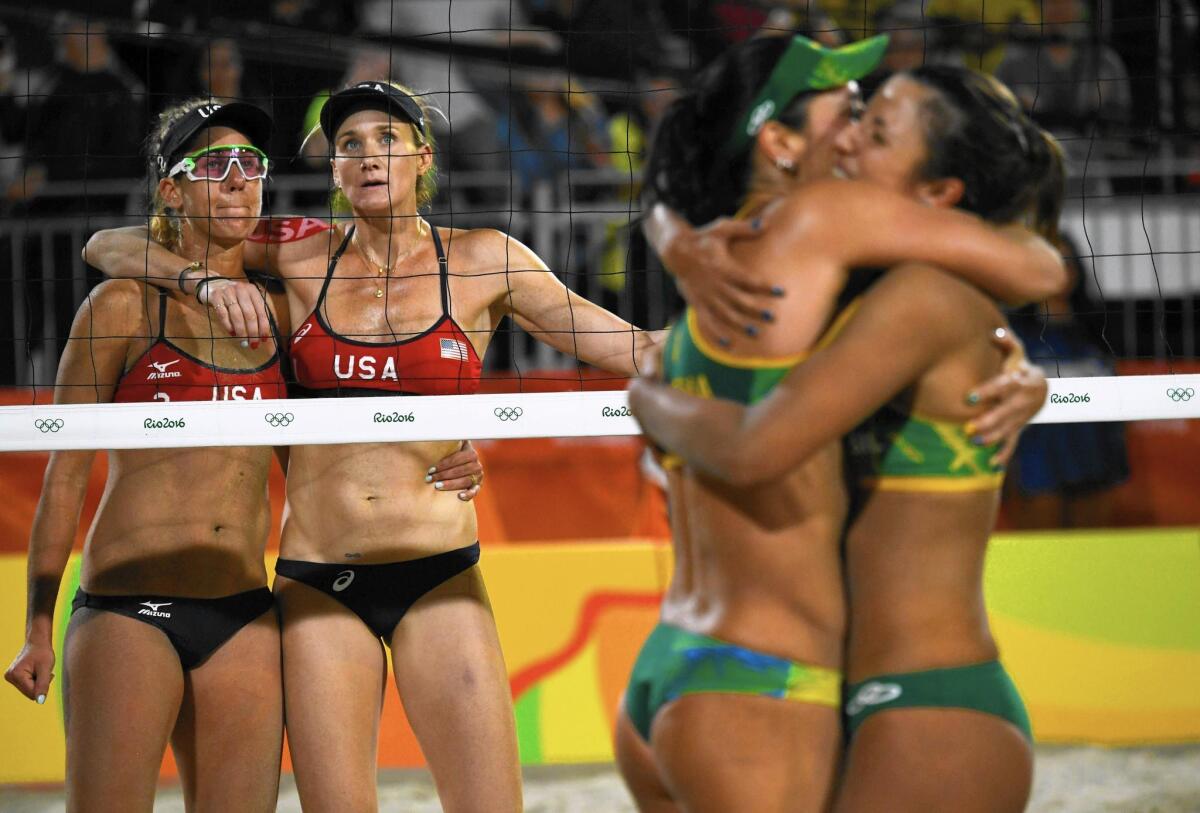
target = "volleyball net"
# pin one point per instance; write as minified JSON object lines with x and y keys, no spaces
{"x":548,"y":114}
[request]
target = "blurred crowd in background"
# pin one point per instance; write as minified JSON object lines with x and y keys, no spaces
{"x":542,"y":87}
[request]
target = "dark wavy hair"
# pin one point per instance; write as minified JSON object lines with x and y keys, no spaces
{"x":690,"y":167}
{"x":976,"y":131}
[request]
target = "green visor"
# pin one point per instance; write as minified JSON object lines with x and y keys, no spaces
{"x":804,"y":66}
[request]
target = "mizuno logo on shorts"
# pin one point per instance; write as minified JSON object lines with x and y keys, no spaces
{"x":873,"y":694}
{"x":154,"y":609}
{"x":343,"y":580}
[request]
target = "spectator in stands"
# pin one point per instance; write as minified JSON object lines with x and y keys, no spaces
{"x":1061,"y":474}
{"x":219,"y":69}
{"x":334,"y":16}
{"x":1069,"y":80}
{"x":629,"y":132}
{"x":856,"y":17}
{"x":913,"y":42}
{"x":552,"y":127}
{"x":980,"y":30}
{"x":466,"y":130}
{"x":67,"y":138}
{"x":12,"y":110}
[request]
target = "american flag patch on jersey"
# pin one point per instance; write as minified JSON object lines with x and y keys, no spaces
{"x":453,"y":349}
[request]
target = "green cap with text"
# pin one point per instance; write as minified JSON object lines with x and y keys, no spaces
{"x":805,"y":66}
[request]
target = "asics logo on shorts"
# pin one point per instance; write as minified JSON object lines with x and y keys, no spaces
{"x":873,"y":694}
{"x":508,"y":413}
{"x":343,"y":580}
{"x":45,"y":425}
{"x":154,"y":609}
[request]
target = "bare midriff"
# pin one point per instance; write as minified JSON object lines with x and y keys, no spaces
{"x":759,"y":566}
{"x":915,"y":575}
{"x":180,"y":522}
{"x":368,"y":503}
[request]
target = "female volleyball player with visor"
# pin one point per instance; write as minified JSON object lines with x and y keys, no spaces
{"x":736,"y":696}
{"x":933,"y":720}
{"x":173,"y":636}
{"x":394,"y":305}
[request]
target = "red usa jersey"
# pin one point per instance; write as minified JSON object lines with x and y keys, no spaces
{"x":167,"y":373}
{"x":440,"y":361}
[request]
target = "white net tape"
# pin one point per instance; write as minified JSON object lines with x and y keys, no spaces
{"x":475,"y":417}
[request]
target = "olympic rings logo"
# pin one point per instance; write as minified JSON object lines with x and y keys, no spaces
{"x":278,"y":419}
{"x":45,"y":425}
{"x":508,"y":413}
{"x":1178,"y":394}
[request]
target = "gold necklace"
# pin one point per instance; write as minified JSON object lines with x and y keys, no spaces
{"x":380,"y":268}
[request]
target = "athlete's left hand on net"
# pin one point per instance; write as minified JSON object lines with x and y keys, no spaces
{"x":1012,"y":398}
{"x":461,"y":472}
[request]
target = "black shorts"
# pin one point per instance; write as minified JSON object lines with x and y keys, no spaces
{"x":196,"y":627}
{"x":381,"y":594}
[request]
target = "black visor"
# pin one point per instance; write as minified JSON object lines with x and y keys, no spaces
{"x":246,"y":118}
{"x":369,"y":96}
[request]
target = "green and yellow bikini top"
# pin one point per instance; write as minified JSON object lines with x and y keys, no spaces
{"x":893,"y":450}
{"x":693,"y":364}
{"x":897,"y":450}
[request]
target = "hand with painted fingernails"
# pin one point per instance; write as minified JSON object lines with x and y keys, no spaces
{"x":32,"y":670}
{"x":725,"y":292}
{"x":1011,"y":399}
{"x":461,"y":472}
{"x":240,"y":307}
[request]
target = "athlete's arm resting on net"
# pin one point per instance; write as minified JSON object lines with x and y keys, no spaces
{"x":88,"y":371}
{"x":821,"y":399}
{"x":559,"y":317}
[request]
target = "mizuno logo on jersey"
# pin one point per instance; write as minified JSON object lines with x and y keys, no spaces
{"x":161,"y":371}
{"x":452,"y":349}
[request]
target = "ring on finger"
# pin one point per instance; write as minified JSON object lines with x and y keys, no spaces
{"x":475,"y":479}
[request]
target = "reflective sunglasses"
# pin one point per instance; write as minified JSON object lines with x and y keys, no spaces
{"x":214,"y":163}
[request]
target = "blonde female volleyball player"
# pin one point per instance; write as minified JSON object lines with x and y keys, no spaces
{"x":934,"y":721}
{"x":736,"y":695}
{"x":172,"y":635}
{"x":395,"y":306}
